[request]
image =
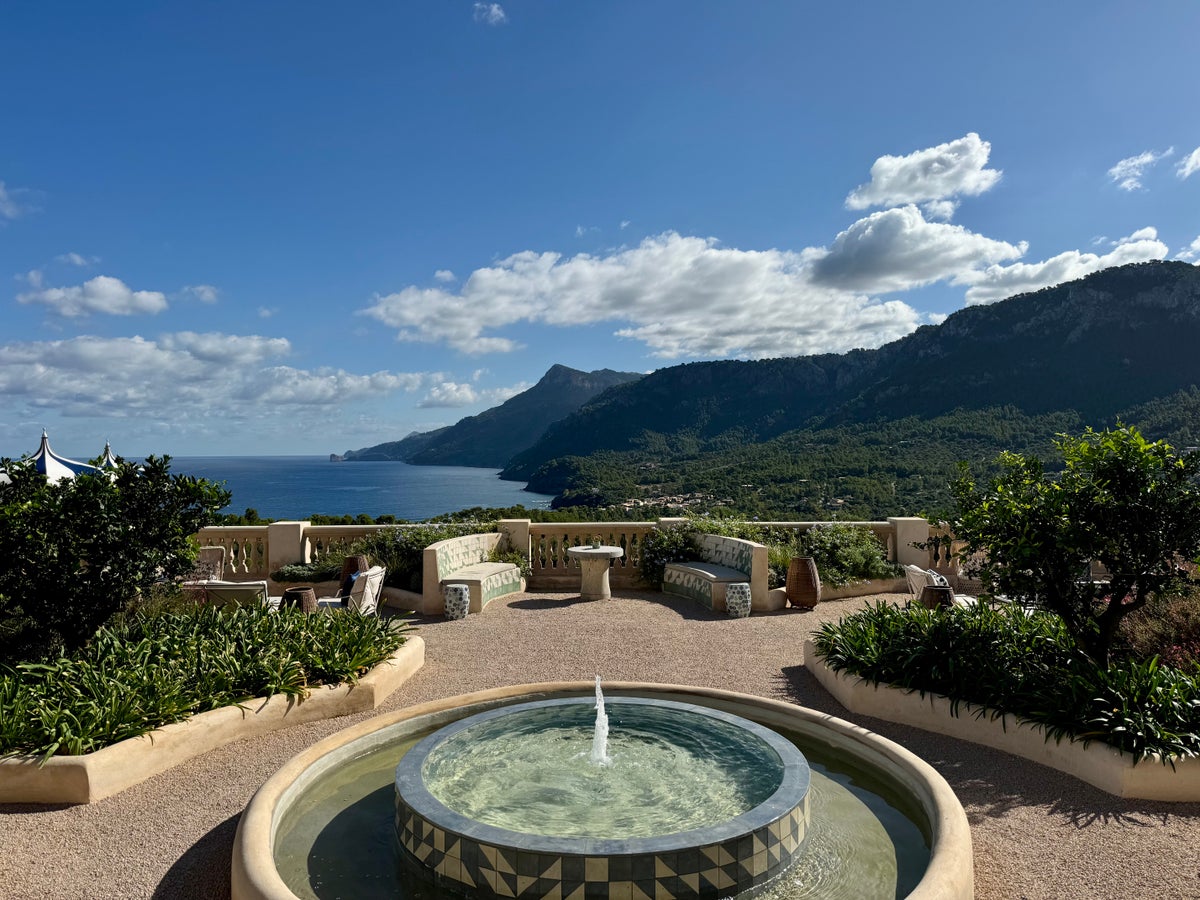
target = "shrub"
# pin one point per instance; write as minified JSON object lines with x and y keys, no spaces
{"x":327,"y":568}
{"x":845,"y":554}
{"x":156,"y":669}
{"x":77,"y":551}
{"x":675,"y":543}
{"x":402,"y":550}
{"x":1167,"y":627}
{"x":516,"y":557}
{"x":1027,"y":664}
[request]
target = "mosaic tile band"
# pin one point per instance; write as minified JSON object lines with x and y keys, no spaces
{"x":458,"y":862}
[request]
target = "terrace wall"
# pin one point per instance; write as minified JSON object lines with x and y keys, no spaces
{"x":254,"y":551}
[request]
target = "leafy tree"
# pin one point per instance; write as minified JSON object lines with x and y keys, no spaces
{"x":1120,"y":500}
{"x":75,"y":552}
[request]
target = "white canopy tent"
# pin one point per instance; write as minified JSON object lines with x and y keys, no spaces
{"x":56,"y":467}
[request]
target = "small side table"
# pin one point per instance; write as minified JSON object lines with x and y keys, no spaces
{"x":934,"y":596}
{"x":593,"y":566}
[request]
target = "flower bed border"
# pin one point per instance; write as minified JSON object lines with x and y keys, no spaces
{"x":94,"y":776}
{"x":1100,"y":765}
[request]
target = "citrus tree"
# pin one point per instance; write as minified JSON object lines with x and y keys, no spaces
{"x":1130,"y":504}
{"x":75,"y":552}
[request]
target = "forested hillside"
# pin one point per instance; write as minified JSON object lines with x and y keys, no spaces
{"x":880,"y":432}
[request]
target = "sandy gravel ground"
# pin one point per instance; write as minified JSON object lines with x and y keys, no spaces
{"x":1037,"y":833}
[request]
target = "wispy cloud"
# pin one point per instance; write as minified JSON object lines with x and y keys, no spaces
{"x":1192,"y":253}
{"x":10,"y":206}
{"x":1127,"y":174}
{"x":1189,"y":165}
{"x":445,"y":276}
{"x":102,"y":294}
{"x":77,"y":259}
{"x":205,"y":293}
{"x":490,"y":13}
{"x":956,"y":168}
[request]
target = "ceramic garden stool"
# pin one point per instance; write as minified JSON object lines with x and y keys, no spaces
{"x":458,"y":600}
{"x":737,"y":600}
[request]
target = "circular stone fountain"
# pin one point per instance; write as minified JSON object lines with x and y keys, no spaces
{"x":682,"y":802}
{"x":274,"y":854}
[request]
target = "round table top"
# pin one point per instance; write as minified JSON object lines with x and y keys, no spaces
{"x":602,"y":552}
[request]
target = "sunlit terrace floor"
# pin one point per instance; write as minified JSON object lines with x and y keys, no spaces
{"x":1037,"y":833}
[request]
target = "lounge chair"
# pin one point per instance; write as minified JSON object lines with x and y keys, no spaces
{"x":364,"y":595}
{"x":918,"y":579}
{"x":210,"y":563}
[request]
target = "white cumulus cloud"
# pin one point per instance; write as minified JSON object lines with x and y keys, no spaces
{"x":681,"y":296}
{"x":188,"y":378}
{"x":448,"y":394}
{"x":956,"y":168}
{"x":490,"y":13}
{"x":102,"y":294}
{"x":445,"y":276}
{"x":1127,"y":174}
{"x":897,"y":249}
{"x":998,"y":282}
{"x":1189,"y":165}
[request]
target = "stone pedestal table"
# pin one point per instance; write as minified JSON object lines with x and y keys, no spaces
{"x":593,"y":565}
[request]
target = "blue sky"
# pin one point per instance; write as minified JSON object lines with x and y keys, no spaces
{"x":297,"y":227}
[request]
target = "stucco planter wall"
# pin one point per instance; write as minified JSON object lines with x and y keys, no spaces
{"x":1098,"y":764}
{"x":94,"y":776}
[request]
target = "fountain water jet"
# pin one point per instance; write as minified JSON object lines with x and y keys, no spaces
{"x":600,"y":735}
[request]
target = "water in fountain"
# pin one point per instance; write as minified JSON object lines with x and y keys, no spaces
{"x":600,"y":735}
{"x":864,"y":843}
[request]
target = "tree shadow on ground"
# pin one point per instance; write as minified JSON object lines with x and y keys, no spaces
{"x":202,"y":873}
{"x":25,"y":809}
{"x":554,"y":601}
{"x":988,"y":782}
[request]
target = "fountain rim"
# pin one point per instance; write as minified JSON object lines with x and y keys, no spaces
{"x":794,"y":781}
{"x":949,"y":875}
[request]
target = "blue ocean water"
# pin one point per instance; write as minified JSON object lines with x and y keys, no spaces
{"x":294,"y":487}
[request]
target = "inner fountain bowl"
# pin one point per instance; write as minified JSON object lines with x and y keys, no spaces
{"x":307,"y":834}
{"x":509,"y":802}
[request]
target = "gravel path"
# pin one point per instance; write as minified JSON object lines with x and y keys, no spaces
{"x":1037,"y":833}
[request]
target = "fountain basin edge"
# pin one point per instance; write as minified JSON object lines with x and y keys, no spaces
{"x":948,"y":876}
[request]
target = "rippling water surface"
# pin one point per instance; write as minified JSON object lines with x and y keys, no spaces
{"x":294,"y":487}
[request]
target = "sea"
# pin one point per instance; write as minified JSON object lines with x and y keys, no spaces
{"x":295,"y":487}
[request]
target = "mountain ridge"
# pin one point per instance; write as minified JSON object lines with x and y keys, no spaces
{"x":1097,"y":345}
{"x":491,"y":438}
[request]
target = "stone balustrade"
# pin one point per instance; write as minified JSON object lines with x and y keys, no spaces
{"x":254,"y":551}
{"x":553,"y":569}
